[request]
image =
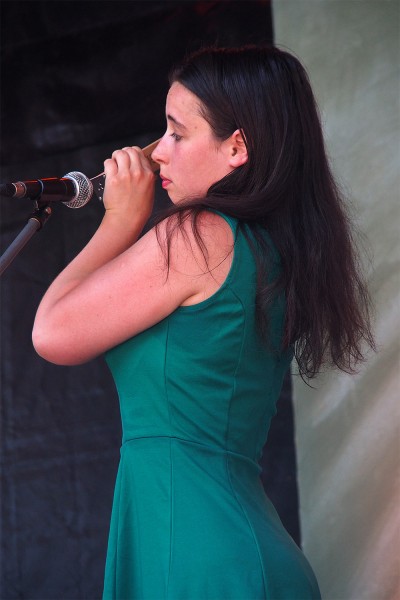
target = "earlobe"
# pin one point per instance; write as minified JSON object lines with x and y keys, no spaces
{"x":238,"y":150}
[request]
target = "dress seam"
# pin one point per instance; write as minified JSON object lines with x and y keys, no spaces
{"x":264,"y":579}
{"x":220,"y":449}
{"x":228,"y":456}
{"x":171,"y":510}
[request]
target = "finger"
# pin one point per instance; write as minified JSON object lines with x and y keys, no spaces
{"x":122,"y":159}
{"x":137,"y":157}
{"x":110,"y":167}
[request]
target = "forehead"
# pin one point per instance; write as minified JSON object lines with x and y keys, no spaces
{"x":182,"y":104}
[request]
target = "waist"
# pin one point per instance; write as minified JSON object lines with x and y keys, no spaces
{"x":195,"y":446}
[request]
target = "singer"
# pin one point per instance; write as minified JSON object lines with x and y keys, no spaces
{"x":200,"y":318}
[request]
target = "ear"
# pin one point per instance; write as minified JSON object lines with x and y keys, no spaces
{"x":237,"y":149}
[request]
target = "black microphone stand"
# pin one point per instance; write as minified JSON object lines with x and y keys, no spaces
{"x":37,"y":220}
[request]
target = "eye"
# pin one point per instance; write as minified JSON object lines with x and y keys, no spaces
{"x":176,"y":136}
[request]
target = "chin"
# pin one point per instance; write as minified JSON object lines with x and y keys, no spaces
{"x":175,"y":199}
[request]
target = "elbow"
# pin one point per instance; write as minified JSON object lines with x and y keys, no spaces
{"x":38,"y":340}
{"x":51,"y":347}
{"x":44,"y":344}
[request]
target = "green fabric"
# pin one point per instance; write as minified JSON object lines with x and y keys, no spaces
{"x":190,"y":518}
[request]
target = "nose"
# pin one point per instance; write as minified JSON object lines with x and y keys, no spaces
{"x":159,"y":152}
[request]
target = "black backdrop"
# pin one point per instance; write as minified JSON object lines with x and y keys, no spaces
{"x":80,"y":79}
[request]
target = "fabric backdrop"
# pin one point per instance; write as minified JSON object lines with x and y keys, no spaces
{"x":348,"y":427}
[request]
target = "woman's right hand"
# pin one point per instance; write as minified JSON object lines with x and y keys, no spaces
{"x":129,"y":185}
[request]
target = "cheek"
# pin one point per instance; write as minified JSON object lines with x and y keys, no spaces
{"x":196,"y":169}
{"x":198,"y":176}
{"x":190,"y":168}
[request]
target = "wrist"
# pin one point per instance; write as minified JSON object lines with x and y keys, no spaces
{"x":131,"y":223}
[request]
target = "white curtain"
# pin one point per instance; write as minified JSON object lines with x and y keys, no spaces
{"x":348,"y":428}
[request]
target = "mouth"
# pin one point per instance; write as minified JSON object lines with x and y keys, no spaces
{"x":164,"y":181}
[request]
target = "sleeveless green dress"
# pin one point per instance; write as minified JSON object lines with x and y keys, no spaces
{"x":190,"y":518}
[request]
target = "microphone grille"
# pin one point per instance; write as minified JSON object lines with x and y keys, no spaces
{"x":84,"y":189}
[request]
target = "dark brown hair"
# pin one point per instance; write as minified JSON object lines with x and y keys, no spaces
{"x":287,"y":188}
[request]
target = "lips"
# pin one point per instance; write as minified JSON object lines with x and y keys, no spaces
{"x":165,"y":182}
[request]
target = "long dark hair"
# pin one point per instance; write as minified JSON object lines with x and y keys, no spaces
{"x":287,"y":188}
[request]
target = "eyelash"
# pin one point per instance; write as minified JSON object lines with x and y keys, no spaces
{"x":176,"y":137}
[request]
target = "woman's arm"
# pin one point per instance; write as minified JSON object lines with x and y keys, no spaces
{"x":118,"y":285}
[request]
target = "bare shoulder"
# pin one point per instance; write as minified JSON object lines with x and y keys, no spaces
{"x":206,"y":240}
{"x":200,"y":249}
{"x":215,"y":225}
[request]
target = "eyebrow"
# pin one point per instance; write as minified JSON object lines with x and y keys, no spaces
{"x":176,"y":122}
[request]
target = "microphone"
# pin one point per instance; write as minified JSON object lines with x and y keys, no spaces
{"x":74,"y":189}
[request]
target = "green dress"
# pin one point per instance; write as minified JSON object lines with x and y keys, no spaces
{"x":190,"y":518}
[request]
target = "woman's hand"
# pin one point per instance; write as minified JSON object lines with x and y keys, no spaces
{"x":129,"y":187}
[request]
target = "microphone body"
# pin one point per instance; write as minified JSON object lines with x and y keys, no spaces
{"x":74,"y":189}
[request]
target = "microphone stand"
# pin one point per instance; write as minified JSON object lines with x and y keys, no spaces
{"x":36,"y":221}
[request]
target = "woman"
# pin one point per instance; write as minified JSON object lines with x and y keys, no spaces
{"x":200,"y":319}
